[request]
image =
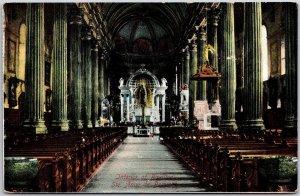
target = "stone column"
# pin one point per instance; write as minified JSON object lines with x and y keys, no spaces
{"x":122,"y":107}
{"x":108,"y":83}
{"x":87,"y":71}
{"x":106,"y":75}
{"x":159,"y":107}
{"x":75,"y":63}
{"x":34,"y":78}
{"x":201,"y":37}
{"x":214,"y":22}
{"x":215,"y":86}
{"x":59,"y":109}
{"x":95,"y":88}
{"x":228,"y":70}
{"x":176,"y":80}
{"x":192,"y":83}
{"x":179,"y":76}
{"x":127,"y":105}
{"x":290,"y":123}
{"x":187,"y":67}
{"x":253,"y":77}
{"x":101,"y":80}
{"x":163,"y":107}
{"x":182,"y":71}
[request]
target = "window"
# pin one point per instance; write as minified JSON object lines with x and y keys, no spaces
{"x":265,"y":54}
{"x":22,"y":52}
{"x":282,"y":55}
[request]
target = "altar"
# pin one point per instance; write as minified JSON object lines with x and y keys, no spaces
{"x":143,"y":98}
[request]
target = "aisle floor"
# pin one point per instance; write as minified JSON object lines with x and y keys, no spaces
{"x":143,"y":165}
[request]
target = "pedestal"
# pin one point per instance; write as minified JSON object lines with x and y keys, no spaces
{"x":200,"y":109}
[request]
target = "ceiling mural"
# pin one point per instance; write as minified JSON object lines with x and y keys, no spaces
{"x":142,"y":46}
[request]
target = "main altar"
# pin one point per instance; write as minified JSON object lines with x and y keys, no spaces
{"x":143,"y":98}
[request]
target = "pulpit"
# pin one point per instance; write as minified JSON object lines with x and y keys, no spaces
{"x":207,"y":117}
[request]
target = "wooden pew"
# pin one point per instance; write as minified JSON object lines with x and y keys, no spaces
{"x":82,"y":152}
{"x":213,"y":157}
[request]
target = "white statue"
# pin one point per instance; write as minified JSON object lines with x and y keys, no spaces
{"x":163,"y":82}
{"x":121,"y":81}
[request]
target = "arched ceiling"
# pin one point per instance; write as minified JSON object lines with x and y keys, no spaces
{"x":169,"y":16}
{"x":129,"y":22}
{"x":171,"y":19}
{"x":152,"y":34}
{"x":149,"y":33}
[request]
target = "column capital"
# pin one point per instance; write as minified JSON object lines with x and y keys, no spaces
{"x":95,"y":45}
{"x":201,"y":34}
{"x":86,"y":33}
{"x":214,"y":16}
{"x":193,"y":45}
{"x":187,"y":52}
{"x":75,"y":16}
{"x":215,"y":20}
{"x":103,"y":54}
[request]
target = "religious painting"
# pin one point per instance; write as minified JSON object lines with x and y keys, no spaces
{"x":142,"y":46}
{"x":11,"y":56}
{"x":143,"y":93}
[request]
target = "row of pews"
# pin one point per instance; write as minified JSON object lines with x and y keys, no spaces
{"x":60,"y":162}
{"x":236,"y":162}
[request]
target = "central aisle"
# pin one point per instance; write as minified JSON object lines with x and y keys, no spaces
{"x":142,"y":164}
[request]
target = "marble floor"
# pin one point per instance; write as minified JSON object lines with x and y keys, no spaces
{"x":143,"y":165}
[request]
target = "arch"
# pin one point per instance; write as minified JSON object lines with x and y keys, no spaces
{"x":21,"y":52}
{"x":141,"y":72}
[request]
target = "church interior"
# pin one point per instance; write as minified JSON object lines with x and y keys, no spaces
{"x":150,"y":97}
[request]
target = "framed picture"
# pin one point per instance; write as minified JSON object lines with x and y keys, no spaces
{"x":11,"y":56}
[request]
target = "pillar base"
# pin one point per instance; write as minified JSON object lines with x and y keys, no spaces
{"x":228,"y":126}
{"x":290,"y":127}
{"x":36,"y":127}
{"x":253,"y":126}
{"x":96,"y":123}
{"x":60,"y":125}
{"x":216,"y":107}
{"x":88,"y":124}
{"x":200,"y":109}
{"x":76,"y":124}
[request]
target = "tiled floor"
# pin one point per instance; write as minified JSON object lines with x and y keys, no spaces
{"x":143,"y":165}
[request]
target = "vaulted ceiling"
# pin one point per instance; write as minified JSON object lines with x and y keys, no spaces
{"x":169,"y":16}
{"x":150,"y":28}
{"x":146,"y":33}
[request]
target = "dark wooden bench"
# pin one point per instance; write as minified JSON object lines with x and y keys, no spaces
{"x":82,"y":152}
{"x":227,"y":162}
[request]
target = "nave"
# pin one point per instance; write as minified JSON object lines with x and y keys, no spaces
{"x":216,"y":81}
{"x":143,"y":165}
{"x":179,"y":159}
